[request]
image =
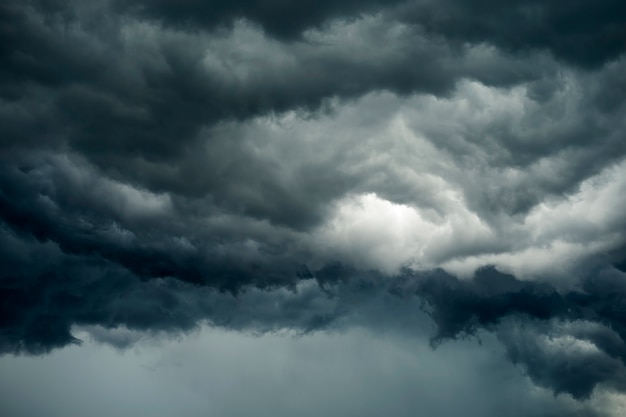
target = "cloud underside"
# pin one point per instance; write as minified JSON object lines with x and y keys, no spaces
{"x":165,"y":164}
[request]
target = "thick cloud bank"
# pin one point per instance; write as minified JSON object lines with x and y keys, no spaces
{"x":312,"y":166}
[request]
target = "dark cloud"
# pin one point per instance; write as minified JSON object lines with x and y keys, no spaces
{"x":564,"y":364}
{"x":542,"y":328}
{"x":142,"y":101}
{"x":278,"y":18}
{"x":268,"y":165}
{"x":585,"y":33}
{"x":461,"y":308}
{"x":110,"y":86}
{"x":47,"y":291}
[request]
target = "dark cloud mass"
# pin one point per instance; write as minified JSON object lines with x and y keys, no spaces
{"x":593,"y":314}
{"x":269,"y":14}
{"x":584,"y":33}
{"x":320,"y":166}
{"x":587,"y":33}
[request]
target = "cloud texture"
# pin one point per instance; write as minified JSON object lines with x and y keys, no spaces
{"x":318,"y":166}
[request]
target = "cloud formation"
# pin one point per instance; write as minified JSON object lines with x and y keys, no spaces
{"x":167,"y":164}
{"x":569,"y":342}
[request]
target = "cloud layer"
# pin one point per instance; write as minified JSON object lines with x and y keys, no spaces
{"x":169,"y":164}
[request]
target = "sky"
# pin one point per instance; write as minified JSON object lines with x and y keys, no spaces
{"x":343,"y":208}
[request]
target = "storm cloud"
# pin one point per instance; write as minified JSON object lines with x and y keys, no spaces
{"x":318,"y":168}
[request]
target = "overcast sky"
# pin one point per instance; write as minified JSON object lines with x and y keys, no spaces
{"x":321,"y":207}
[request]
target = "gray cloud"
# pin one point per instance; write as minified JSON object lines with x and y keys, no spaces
{"x":536,"y":323}
{"x":169,"y":165}
{"x":146,"y":91}
{"x":269,"y":14}
{"x":569,"y":342}
{"x":233,"y":373}
{"x":584,"y":33}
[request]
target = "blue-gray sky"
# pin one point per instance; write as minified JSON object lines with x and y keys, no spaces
{"x":325,"y":207}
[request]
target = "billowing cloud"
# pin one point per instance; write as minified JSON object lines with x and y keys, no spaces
{"x":569,"y":342}
{"x":583,"y":33}
{"x":166,"y":166}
